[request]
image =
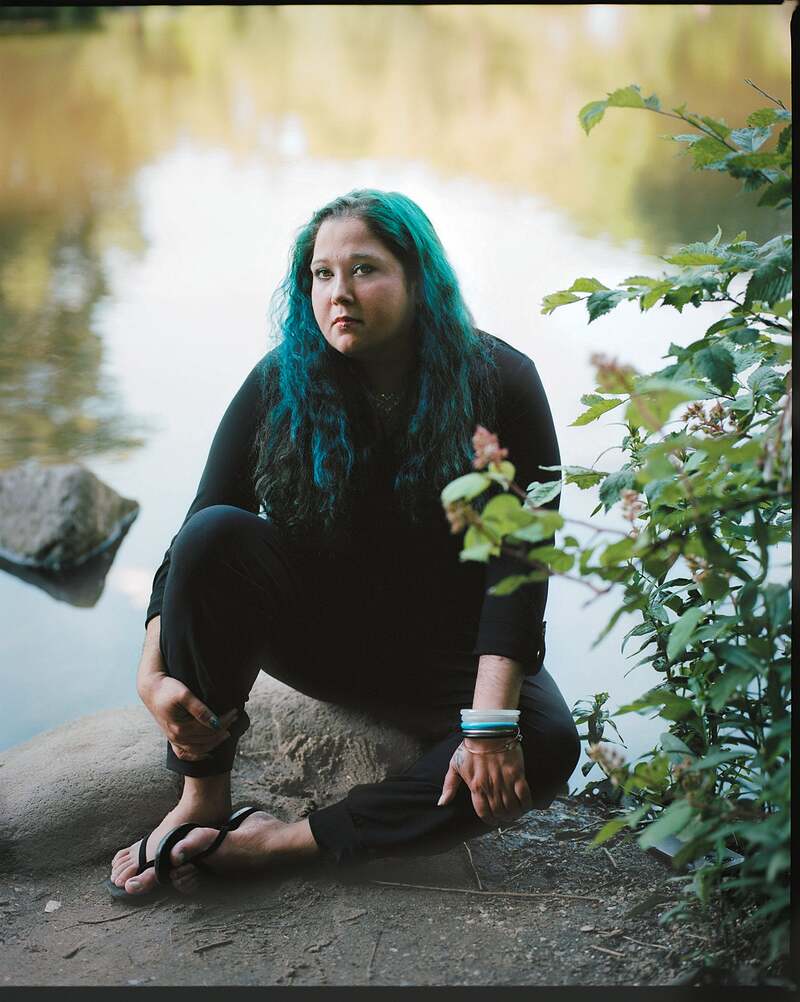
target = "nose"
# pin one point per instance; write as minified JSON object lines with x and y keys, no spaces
{"x":341,"y":291}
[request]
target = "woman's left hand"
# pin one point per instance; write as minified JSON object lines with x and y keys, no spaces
{"x":500,"y":792}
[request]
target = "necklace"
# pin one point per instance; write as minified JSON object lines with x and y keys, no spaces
{"x":385,"y":402}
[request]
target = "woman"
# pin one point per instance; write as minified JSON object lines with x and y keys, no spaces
{"x":350,"y":588}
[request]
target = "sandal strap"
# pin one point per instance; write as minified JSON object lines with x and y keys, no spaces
{"x":144,"y":863}
{"x":162,"y":861}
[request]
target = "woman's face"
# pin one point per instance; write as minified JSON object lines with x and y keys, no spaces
{"x":359,"y":293}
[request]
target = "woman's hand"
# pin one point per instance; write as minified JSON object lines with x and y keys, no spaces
{"x":500,"y":792}
{"x":190,"y":727}
{"x":185,"y":719}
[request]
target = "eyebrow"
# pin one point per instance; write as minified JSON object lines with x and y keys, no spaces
{"x":353,"y":257}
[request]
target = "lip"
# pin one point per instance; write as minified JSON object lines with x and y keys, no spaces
{"x":340,"y":321}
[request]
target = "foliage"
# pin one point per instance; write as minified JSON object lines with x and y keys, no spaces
{"x":705,"y":487}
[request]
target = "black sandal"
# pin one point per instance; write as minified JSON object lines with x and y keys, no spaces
{"x":163,"y":871}
{"x":144,"y":864}
{"x":164,"y":865}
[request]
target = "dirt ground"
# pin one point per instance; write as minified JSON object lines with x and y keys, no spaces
{"x":531,"y":904}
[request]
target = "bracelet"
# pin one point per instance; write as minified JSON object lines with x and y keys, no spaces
{"x":493,"y":751}
{"x":490,"y":736}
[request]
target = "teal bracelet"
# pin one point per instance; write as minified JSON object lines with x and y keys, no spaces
{"x":488,"y":725}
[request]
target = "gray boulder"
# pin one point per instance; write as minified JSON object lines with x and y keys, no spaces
{"x":76,"y":794}
{"x":58,"y":517}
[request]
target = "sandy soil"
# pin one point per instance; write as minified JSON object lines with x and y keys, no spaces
{"x":532,"y":904}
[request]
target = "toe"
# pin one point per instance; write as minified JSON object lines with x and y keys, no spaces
{"x":195,"y":841}
{"x":124,"y":873}
{"x":141,"y":883}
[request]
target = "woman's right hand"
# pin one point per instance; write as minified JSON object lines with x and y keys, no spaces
{"x":184,"y":719}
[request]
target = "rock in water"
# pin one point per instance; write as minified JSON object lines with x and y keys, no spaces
{"x":58,"y":517}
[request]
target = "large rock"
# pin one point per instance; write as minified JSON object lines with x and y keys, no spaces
{"x":79,"y":792}
{"x":58,"y":517}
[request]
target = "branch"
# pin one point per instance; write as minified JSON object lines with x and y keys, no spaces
{"x":769,"y":97}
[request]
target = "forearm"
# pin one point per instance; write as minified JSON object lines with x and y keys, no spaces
{"x":498,"y":684}
{"x":151,"y":664}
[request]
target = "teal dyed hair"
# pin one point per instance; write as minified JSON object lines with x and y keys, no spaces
{"x":318,"y":429}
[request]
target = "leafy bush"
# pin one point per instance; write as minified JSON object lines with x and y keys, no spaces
{"x":707,"y":495}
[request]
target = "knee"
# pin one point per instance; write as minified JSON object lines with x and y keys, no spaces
{"x":553,"y":754}
{"x":209,"y":535}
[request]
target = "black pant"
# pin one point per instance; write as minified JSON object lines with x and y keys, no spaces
{"x":238,"y":599}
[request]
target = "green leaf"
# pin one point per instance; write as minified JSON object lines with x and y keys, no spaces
{"x":586,"y":285}
{"x":740,"y":657}
{"x":539,"y":494}
{"x":719,"y":694}
{"x":776,"y":603}
{"x":772,"y":281}
{"x":613,"y":485}
{"x":603,"y":302}
{"x":750,"y":139}
{"x":642,"y":280}
{"x":719,"y":127}
{"x":650,"y":298}
{"x":599,"y":407}
{"x":777,"y":192}
{"x":557,"y":559}
{"x":581,"y":476}
{"x":480,"y":552}
{"x":655,"y":399}
{"x":626,"y":97}
{"x":682,"y":630}
{"x":672,"y":820}
{"x":671,"y":743}
{"x":590,"y":114}
{"x":767,"y":116}
{"x":687,"y":258}
{"x":707,"y":151}
{"x":617,"y":552}
{"x":556,"y":299}
{"x":717,"y":365}
{"x":610,"y":828}
{"x":509,"y":584}
{"x":544,"y":525}
{"x":504,"y":514}
{"x":765,"y":381}
{"x":718,"y":756}
{"x":465,"y":488}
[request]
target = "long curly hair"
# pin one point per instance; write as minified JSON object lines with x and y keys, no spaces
{"x":317,"y":435}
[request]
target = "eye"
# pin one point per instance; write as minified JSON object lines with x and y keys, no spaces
{"x":365,"y":269}
{"x":322,"y":272}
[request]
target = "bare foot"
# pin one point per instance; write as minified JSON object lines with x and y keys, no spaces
{"x":260,"y":841}
{"x":210,"y":811}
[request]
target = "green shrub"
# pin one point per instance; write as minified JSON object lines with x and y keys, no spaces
{"x":706,"y":488}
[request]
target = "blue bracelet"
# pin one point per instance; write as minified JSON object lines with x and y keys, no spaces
{"x":488,"y":724}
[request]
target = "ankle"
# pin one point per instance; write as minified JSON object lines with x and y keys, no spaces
{"x":211,"y":793}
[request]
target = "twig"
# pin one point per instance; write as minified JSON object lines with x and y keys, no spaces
{"x":613,"y":861}
{"x":656,"y":946}
{"x":777,"y":100}
{"x":71,"y":953}
{"x":372,"y":956}
{"x":605,"y":949}
{"x":469,"y":890}
{"x":472,"y":864}
{"x":210,"y":946}
{"x":114,"y":918}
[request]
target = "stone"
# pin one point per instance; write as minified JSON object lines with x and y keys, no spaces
{"x":58,"y":517}
{"x":77,"y":793}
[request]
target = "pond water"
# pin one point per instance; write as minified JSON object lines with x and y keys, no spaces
{"x":157,"y":168}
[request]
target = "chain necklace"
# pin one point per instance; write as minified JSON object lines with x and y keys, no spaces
{"x":386,"y":403}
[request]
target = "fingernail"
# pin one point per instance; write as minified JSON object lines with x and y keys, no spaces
{"x":181,"y":857}
{"x":135,"y":885}
{"x":439,"y":801}
{"x":214,"y":721}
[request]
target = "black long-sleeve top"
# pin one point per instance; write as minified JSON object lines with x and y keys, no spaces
{"x":406,"y":579}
